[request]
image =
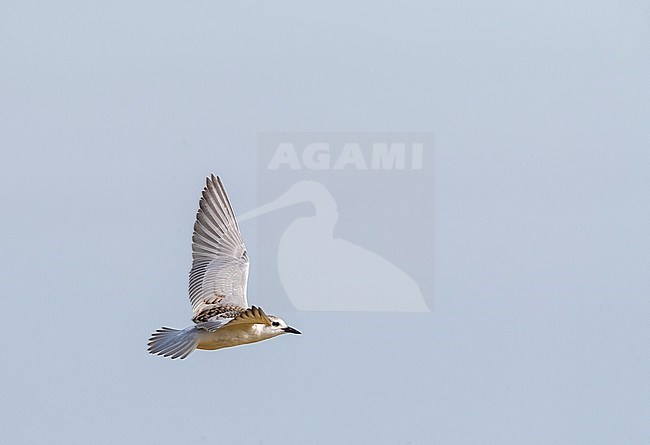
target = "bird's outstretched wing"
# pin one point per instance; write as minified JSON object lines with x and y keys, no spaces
{"x":219,"y":273}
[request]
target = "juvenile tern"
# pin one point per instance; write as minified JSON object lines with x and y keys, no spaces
{"x":218,"y":281}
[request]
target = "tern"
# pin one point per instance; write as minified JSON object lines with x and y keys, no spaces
{"x":218,"y":282}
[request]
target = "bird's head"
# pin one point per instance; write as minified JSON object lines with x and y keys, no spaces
{"x":278,"y":326}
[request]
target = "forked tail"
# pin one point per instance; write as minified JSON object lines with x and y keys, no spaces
{"x":173,"y":343}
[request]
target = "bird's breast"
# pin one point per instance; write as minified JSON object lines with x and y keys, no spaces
{"x":234,"y":336}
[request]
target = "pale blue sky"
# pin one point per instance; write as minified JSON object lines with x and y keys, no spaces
{"x":112,"y":114}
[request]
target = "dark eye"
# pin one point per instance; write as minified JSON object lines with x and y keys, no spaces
{"x":275,"y":323}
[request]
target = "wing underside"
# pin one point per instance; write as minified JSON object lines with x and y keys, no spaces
{"x":219,"y":274}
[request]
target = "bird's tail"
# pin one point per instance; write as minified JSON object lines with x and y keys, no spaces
{"x":173,"y":343}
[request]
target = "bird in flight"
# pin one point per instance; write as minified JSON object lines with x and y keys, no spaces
{"x":218,"y":281}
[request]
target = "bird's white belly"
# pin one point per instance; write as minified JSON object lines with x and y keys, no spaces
{"x":225,"y":338}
